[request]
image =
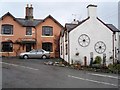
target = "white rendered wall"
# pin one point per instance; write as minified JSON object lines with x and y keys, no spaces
{"x":66,"y":56}
{"x":97,"y":32}
{"x":119,"y":46}
{"x":61,"y":45}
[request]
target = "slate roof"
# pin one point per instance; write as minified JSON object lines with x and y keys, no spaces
{"x":110,"y":26}
{"x":113,"y":28}
{"x":49,"y":16}
{"x":28,"y":23}
{"x":69,"y":26}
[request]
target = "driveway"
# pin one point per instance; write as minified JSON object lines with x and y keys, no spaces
{"x":32,"y":73}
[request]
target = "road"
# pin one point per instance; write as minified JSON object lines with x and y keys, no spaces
{"x":32,"y":73}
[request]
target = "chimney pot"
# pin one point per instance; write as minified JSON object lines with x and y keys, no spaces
{"x":29,"y":12}
{"x":92,"y":12}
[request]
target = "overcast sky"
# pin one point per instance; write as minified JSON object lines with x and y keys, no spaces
{"x":63,"y":11}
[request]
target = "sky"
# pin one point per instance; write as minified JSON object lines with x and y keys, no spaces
{"x":64,"y":11}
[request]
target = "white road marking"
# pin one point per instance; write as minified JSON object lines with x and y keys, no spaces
{"x":92,"y":80}
{"x":101,"y":75}
{"x":19,"y":66}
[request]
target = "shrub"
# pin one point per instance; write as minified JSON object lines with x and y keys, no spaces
{"x":98,"y":60}
{"x":114,"y":68}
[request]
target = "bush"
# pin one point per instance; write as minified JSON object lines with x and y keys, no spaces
{"x":114,"y":68}
{"x":98,"y":60}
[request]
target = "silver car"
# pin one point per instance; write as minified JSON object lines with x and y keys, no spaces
{"x":35,"y":54}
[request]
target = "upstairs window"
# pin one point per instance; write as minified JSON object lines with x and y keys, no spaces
{"x":47,"y":31}
{"x":28,"y":30}
{"x":7,"y":29}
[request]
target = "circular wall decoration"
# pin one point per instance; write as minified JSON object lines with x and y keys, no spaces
{"x":100,"y":47}
{"x":84,"y":40}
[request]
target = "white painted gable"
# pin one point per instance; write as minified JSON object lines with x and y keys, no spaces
{"x":96,"y":31}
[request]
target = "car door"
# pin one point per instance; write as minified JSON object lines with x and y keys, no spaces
{"x":39,"y":53}
{"x":33,"y":54}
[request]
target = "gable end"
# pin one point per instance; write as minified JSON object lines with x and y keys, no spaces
{"x":79,"y":24}
{"x":109,"y":26}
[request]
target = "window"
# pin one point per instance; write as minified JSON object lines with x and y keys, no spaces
{"x":28,"y":30}
{"x":7,"y":29}
{"x":47,"y":31}
{"x":7,"y":46}
{"x":47,"y":46}
{"x":66,"y":47}
{"x":61,"y":49}
{"x":119,"y":38}
{"x":65,"y":36}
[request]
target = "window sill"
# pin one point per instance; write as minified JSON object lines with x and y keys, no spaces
{"x":28,"y":35}
{"x":47,"y":36}
{"x":5,"y":35}
{"x":6,"y":52}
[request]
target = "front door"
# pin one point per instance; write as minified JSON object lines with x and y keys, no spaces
{"x":28,"y":47}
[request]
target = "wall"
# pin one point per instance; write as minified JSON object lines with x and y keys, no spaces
{"x":18,"y":32}
{"x":56,"y":33}
{"x":119,"y":28}
{"x":97,"y":32}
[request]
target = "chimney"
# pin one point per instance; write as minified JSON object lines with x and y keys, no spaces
{"x":92,"y":11}
{"x":29,"y":12}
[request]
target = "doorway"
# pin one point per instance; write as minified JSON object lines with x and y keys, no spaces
{"x":28,"y":47}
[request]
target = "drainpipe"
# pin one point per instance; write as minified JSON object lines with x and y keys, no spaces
{"x":119,"y":46}
{"x":36,"y":36}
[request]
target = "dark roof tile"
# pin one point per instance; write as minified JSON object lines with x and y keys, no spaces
{"x":110,"y":26}
{"x":28,"y":23}
{"x":69,"y":26}
{"x":113,"y":28}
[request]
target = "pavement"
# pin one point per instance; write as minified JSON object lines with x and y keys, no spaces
{"x":33,"y":73}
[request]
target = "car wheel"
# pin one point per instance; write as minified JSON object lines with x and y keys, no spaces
{"x":25,"y":56}
{"x":44,"y":57}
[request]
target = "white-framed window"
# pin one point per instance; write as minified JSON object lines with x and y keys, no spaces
{"x":7,"y":29}
{"x":47,"y":31}
{"x":28,"y":30}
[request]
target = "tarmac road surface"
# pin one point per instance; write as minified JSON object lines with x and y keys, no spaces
{"x":32,"y":73}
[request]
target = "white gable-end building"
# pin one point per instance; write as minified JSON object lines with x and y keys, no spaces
{"x":88,"y":39}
